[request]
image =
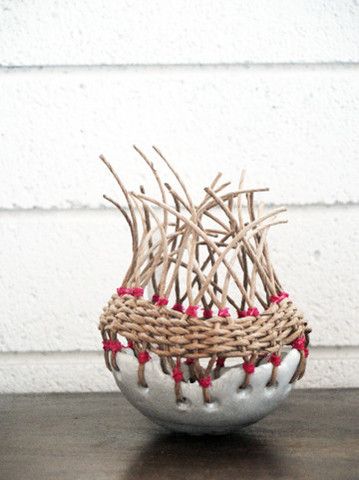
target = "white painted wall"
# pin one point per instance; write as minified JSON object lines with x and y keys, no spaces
{"x":218,"y":85}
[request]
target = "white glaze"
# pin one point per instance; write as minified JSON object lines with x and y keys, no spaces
{"x":231,"y":408}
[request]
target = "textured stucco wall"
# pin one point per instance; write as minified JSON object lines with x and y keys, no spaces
{"x":219,"y":85}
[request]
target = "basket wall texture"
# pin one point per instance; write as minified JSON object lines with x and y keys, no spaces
{"x":200,"y":292}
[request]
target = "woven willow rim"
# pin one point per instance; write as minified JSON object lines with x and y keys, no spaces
{"x":211,"y":259}
{"x":170,"y":333}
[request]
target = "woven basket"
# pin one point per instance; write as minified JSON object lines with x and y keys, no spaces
{"x":200,"y":292}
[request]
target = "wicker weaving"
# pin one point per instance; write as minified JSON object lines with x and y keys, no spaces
{"x":200,"y":287}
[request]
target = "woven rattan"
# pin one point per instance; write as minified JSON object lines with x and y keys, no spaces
{"x":170,"y":333}
{"x":200,"y":283}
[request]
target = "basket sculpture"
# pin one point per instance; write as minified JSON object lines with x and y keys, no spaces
{"x":200,"y":336}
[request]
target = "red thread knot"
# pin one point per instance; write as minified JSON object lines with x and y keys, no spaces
{"x":177,"y":374}
{"x":224,"y":312}
{"x":143,"y":357}
{"x":191,"y":311}
{"x":249,"y":367}
{"x":106,"y":345}
{"x":279,"y":297}
{"x":276,"y":360}
{"x":115,"y":346}
{"x":121,"y":291}
{"x":306,"y":352}
{"x":155,"y":297}
{"x":137,"y":292}
{"x":251,"y":312}
{"x":130,"y":344}
{"x":162,"y":301}
{"x":189,"y":361}
{"x":220,"y":362}
{"x":178,"y":307}
{"x":207,"y":313}
{"x":205,"y":382}
{"x":299,"y":343}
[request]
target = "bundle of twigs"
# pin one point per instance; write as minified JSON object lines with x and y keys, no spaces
{"x":214,"y":292}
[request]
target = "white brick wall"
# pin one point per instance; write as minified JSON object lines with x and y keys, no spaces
{"x":219,"y":85}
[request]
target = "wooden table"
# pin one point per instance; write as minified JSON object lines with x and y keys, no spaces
{"x":100,"y":436}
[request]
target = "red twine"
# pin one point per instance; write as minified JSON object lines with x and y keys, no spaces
{"x":276,"y":360}
{"x":135,"y":292}
{"x":178,"y":307}
{"x":249,"y":367}
{"x":123,"y":291}
{"x":161,"y":301}
{"x":130,"y":344}
{"x":207,"y":313}
{"x":113,"y":345}
{"x":189,"y":361}
{"x":224,"y":312}
{"x":191,"y":311}
{"x":279,"y":297}
{"x":299,"y":343}
{"x":306,"y":352}
{"x":251,"y":312}
{"x":177,"y":374}
{"x":143,"y":357}
{"x":155,"y":298}
{"x":205,"y":382}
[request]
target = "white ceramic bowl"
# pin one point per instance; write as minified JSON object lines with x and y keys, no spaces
{"x":231,"y":407}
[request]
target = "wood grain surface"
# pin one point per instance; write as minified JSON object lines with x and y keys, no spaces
{"x":314,"y":435}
